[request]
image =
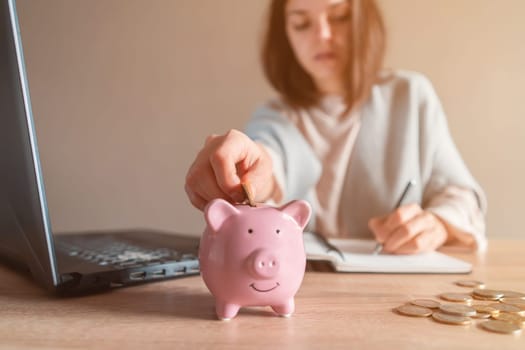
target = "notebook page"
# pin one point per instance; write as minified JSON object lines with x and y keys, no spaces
{"x":359,"y":258}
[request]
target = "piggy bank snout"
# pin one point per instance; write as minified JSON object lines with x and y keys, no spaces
{"x":264,"y":263}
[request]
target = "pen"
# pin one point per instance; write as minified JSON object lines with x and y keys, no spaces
{"x":379,"y":246}
{"x":330,"y":246}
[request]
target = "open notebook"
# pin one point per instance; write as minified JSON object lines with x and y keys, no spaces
{"x":357,"y":256}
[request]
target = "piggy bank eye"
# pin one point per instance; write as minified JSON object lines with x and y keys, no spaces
{"x":250,"y":231}
{"x":277,"y":231}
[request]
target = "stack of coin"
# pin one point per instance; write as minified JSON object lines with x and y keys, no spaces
{"x":487,"y":294}
{"x":505,"y":312}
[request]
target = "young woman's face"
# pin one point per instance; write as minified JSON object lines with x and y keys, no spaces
{"x":318,"y":33}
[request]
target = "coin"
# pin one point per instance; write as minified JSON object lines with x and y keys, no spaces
{"x":485,"y":309}
{"x":459,"y":297}
{"x":513,"y":301}
{"x":470,"y":283}
{"x":477,"y":297}
{"x":500,"y":327}
{"x":457,"y":309}
{"x":487,"y":294}
{"x":512,"y":318}
{"x":512,"y":309}
{"x":482,"y":315}
{"x":429,"y":303}
{"x":451,"y":319}
{"x":513,"y":294}
{"x":413,"y":310}
{"x":248,"y":192}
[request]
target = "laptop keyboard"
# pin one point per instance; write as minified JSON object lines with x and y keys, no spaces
{"x":108,"y":251}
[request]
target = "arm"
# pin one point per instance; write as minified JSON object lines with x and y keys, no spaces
{"x":296,"y":169}
{"x":452,"y":206}
{"x":451,"y":192}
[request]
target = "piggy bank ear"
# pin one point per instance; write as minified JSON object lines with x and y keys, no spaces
{"x":217,"y":211}
{"x":299,"y":210}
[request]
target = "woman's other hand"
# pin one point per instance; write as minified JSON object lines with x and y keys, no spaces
{"x":409,"y":230}
{"x":223,"y":163}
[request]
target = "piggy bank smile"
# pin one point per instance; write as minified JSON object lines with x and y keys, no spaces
{"x":263,"y":289}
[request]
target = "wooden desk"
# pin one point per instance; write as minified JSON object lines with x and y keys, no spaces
{"x":350,"y":311}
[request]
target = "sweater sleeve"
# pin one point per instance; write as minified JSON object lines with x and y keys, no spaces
{"x":459,"y":208}
{"x":296,"y":169}
{"x":450,"y":192}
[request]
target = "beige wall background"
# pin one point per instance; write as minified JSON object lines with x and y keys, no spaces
{"x":125,"y":91}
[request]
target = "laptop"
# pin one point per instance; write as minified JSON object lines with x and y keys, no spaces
{"x":71,"y":263}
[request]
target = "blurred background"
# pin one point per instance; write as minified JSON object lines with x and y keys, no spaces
{"x":125,"y":91}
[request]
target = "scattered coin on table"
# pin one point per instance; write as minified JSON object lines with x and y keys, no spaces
{"x":459,"y":297}
{"x":499,"y":311}
{"x":413,"y":310}
{"x":470,"y":284}
{"x":429,"y":303}
{"x":500,"y":327}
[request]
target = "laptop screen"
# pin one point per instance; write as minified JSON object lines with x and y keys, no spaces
{"x":25,"y":233}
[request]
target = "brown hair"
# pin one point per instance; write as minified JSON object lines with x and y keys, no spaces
{"x":367,"y":49}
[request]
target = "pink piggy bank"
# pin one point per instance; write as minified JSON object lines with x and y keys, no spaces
{"x":253,"y":256}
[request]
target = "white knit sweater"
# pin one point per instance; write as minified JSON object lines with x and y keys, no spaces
{"x":354,"y":167}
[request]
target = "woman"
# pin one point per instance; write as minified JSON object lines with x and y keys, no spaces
{"x":347,"y":136}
